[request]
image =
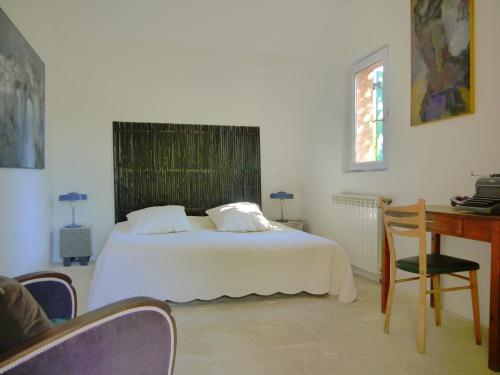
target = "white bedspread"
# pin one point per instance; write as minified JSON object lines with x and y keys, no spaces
{"x":206,"y":264}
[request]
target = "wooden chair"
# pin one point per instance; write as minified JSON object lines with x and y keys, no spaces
{"x":409,"y":221}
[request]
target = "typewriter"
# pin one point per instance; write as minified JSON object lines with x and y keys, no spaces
{"x":486,"y":200}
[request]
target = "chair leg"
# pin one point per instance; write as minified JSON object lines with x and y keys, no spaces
{"x":475,"y":306}
{"x":422,"y":296}
{"x":390,"y":297}
{"x":437,"y":297}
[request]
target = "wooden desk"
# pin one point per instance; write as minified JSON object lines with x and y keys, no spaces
{"x":444,"y":220}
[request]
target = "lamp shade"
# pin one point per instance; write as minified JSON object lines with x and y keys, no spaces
{"x":72,"y":197}
{"x":281,"y":195}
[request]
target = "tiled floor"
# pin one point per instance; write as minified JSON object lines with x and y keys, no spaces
{"x":306,"y":334}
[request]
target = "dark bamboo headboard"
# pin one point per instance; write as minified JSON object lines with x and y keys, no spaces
{"x":197,"y":166}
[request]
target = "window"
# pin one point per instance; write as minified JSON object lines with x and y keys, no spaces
{"x":368,"y":127}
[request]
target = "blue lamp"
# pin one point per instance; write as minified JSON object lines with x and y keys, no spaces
{"x":281,"y":195}
{"x":72,"y":198}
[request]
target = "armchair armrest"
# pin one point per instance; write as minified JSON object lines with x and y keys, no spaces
{"x":53,"y":291}
{"x":133,"y":336}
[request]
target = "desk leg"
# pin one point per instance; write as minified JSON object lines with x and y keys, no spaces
{"x":494,"y":339}
{"x":385,"y":277}
{"x":435,"y":249}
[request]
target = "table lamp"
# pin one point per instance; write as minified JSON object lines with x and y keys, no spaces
{"x":281,"y":195}
{"x":72,"y":198}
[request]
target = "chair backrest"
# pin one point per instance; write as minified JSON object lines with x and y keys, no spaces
{"x":53,"y":291}
{"x":407,"y":221}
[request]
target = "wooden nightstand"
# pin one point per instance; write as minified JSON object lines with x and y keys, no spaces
{"x":294,"y":224}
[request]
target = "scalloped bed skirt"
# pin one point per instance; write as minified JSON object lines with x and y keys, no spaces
{"x":206,"y":264}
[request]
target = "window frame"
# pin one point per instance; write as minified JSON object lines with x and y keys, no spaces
{"x":381,"y":54}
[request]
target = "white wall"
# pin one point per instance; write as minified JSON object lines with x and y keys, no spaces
{"x":25,"y":218}
{"x":432,"y":161}
{"x":25,"y":209}
{"x":174,"y":61}
{"x":280,"y":64}
{"x":175,"y":85}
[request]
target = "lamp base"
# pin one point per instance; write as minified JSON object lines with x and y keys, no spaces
{"x":282,"y":220}
{"x":73,"y":226}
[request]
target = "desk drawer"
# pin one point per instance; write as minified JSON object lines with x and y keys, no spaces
{"x":444,"y":224}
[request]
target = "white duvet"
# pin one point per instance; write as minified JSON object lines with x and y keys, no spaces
{"x":206,"y":264}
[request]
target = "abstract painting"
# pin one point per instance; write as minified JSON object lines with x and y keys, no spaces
{"x":22,"y":100}
{"x":442,"y":65}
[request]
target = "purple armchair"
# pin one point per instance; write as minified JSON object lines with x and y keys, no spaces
{"x":133,"y":336}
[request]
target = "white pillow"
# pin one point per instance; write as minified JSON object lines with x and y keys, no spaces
{"x":165,"y":219}
{"x":239,"y":217}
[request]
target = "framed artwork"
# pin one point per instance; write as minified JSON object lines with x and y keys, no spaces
{"x":22,"y":100}
{"x":442,"y":59}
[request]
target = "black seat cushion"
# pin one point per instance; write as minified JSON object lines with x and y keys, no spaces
{"x":437,"y":264}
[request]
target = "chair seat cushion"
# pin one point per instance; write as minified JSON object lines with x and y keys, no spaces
{"x":437,"y":264}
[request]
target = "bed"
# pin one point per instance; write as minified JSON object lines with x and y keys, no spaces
{"x":206,"y":264}
{"x":201,"y":167}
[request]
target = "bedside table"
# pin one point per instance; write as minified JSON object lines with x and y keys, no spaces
{"x":75,"y":244}
{"x":294,"y":224}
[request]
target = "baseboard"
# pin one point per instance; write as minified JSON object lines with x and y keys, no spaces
{"x":367,"y":275}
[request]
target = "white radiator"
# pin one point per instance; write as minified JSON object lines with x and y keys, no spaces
{"x":357,"y":226}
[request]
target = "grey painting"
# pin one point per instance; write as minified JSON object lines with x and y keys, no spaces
{"x":22,"y":100}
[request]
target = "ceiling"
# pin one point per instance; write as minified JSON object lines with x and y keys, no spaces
{"x":283,"y":27}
